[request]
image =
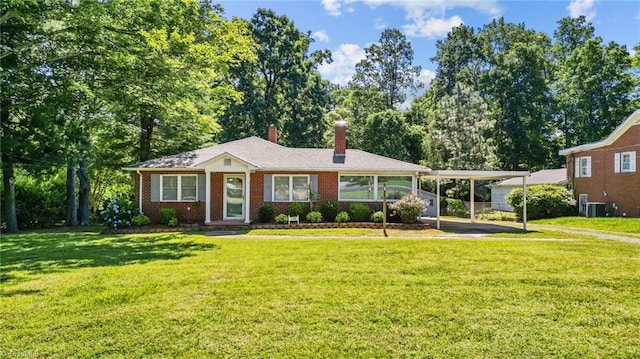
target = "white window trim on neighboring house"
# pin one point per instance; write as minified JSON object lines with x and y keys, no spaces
{"x":625,"y":162}
{"x":179,"y":197}
{"x":290,"y":177}
{"x":582,"y":202}
{"x":583,"y":166}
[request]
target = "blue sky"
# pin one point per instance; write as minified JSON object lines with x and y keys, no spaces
{"x":346,"y":27}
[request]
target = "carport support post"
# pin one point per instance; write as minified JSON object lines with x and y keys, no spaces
{"x":473,"y":203}
{"x":524,"y":200}
{"x":438,"y":202}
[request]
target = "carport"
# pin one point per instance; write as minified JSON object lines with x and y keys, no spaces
{"x":478,"y":175}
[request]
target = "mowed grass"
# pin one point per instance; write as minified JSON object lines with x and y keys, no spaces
{"x":188,"y":295}
{"x":613,"y":224}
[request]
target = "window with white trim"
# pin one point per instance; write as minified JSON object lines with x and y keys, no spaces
{"x":370,"y":187}
{"x":582,"y":203}
{"x":294,"y":188}
{"x":179,"y":187}
{"x":583,"y":166}
{"x":625,"y":162}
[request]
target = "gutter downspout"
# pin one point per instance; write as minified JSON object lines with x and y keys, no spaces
{"x":140,"y":192}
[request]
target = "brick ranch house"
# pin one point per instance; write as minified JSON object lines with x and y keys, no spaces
{"x":231,"y":181}
{"x":606,"y":171}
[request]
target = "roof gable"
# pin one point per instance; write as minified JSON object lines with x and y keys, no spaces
{"x":632,"y":120}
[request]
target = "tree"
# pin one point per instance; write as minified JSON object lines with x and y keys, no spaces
{"x":388,"y":68}
{"x":594,"y":87}
{"x":30,"y":135}
{"x":517,"y":83}
{"x":386,"y":133}
{"x":282,"y":87}
{"x":461,"y":131}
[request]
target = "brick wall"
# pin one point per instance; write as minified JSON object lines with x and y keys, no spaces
{"x":327,"y":190}
{"x":621,"y":188}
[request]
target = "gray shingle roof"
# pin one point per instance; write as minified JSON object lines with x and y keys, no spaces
{"x":267,"y":155}
{"x":555,"y":176}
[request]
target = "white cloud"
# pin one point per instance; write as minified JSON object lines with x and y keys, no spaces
{"x":582,"y":7}
{"x":335,"y":7}
{"x":343,"y":67}
{"x":380,"y":24}
{"x":321,"y":36}
{"x":632,"y":52}
{"x":426,"y":76}
{"x":432,"y":27}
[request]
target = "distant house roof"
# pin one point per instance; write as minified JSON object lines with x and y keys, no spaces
{"x":632,"y":120}
{"x":265,"y":155}
{"x":555,"y":176}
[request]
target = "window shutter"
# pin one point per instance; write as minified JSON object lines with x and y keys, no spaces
{"x":588,"y":166}
{"x":314,"y":184}
{"x":202,"y":184}
{"x":268,"y":184}
{"x":155,"y":188}
{"x":576,"y":161}
{"x":616,"y":163}
{"x":633,"y":161}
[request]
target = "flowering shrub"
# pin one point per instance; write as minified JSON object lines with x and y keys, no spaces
{"x":118,"y":213}
{"x":377,"y":217}
{"x":314,"y":217}
{"x":343,"y":217}
{"x":282,"y":218}
{"x":409,"y":208}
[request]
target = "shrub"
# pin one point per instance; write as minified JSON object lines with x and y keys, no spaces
{"x":265,"y":213}
{"x":329,"y":209}
{"x":166,"y":214}
{"x":282,"y":218}
{"x":140,"y":220}
{"x":173,"y":222}
{"x":409,"y":208}
{"x":360,"y":212}
{"x":314,"y":217}
{"x":543,"y":201}
{"x":40,"y":201}
{"x":118,"y":213}
{"x":377,"y":217}
{"x":342,"y":217}
{"x":455,"y":207}
{"x":298,"y":209}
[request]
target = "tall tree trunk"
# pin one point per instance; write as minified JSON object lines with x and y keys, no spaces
{"x":72,"y":205}
{"x":9,"y":196}
{"x":146,"y":133}
{"x":83,"y":201}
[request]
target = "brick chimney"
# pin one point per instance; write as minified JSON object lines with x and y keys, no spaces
{"x":273,"y":134}
{"x":340,"y":148}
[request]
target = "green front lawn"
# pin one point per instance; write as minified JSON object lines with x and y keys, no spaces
{"x":188,"y":295}
{"x":613,"y":224}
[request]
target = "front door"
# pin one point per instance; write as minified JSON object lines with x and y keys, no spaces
{"x":234,"y":197}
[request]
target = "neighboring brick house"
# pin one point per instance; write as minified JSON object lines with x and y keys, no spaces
{"x":230,"y":181}
{"x":607,"y":171}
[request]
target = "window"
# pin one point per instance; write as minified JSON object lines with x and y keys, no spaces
{"x":370,"y":188}
{"x":179,"y":187}
{"x":353,"y":188}
{"x":582,"y":203}
{"x":290,"y":188}
{"x":625,"y":162}
{"x":583,"y":166}
{"x":397,"y":186}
